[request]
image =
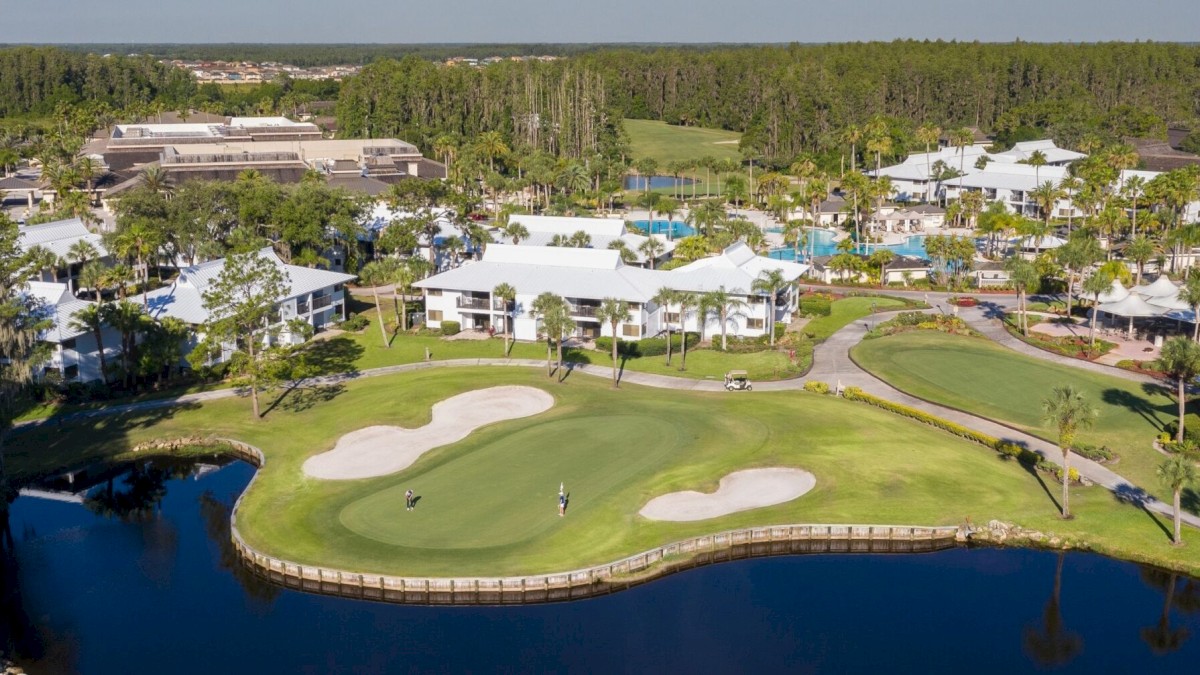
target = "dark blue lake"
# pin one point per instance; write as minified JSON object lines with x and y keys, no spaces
{"x":160,"y":592}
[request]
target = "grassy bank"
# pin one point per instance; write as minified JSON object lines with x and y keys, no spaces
{"x":488,"y":504}
{"x":664,"y":143}
{"x":981,"y":377}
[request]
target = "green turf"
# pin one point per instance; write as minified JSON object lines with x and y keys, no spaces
{"x":982,"y":377}
{"x":846,"y":310}
{"x":488,"y":503}
{"x":666,"y":143}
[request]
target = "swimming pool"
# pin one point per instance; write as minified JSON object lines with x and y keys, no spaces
{"x":822,"y":244}
{"x":678,"y":228}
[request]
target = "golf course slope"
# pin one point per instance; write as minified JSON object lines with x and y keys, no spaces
{"x":382,"y":450}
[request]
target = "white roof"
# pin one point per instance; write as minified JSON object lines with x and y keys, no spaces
{"x":1162,"y":287}
{"x":590,"y":273}
{"x":167,"y":130}
{"x":57,"y":304}
{"x":1046,"y":242}
{"x":1115,"y":293}
{"x":1132,"y":306}
{"x":1054,"y":154}
{"x":1169,"y":301}
{"x":1000,"y":176}
{"x":598,"y":241}
{"x":916,"y":167}
{"x":58,"y":237}
{"x":262,"y":122}
{"x":610,"y":227}
{"x":184,"y":299}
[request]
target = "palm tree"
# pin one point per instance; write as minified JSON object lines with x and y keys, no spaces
{"x":1046,"y":196}
{"x":1180,"y":358}
{"x":627,"y":255}
{"x":1177,"y":473}
{"x":91,"y":319}
{"x":769,"y":283}
{"x":556,"y":321}
{"x":928,"y":134}
{"x":1057,"y":646}
{"x":93,"y":277}
{"x":1067,"y":409}
{"x":664,"y":298}
{"x":403,"y":277}
{"x":852,"y":135}
{"x":960,"y":138}
{"x":1190,"y":293}
{"x":491,"y":145}
{"x":128,"y":319}
{"x":1096,"y":285}
{"x":667,"y":208}
{"x":1036,"y":159}
{"x":651,"y":248}
{"x":1134,"y":188}
{"x":1141,"y":250}
{"x":516,"y":232}
{"x":504,"y":291}
{"x":376,"y":274}
{"x":614,"y":312}
{"x":724,"y":303}
{"x":687,"y":301}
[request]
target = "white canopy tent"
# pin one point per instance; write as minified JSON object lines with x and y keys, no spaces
{"x":1045,"y":243}
{"x":1161,"y":288}
{"x":1169,"y":301}
{"x":1132,"y":307}
{"x":1116,"y":293}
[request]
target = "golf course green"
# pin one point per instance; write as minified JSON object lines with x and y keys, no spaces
{"x":981,"y":377}
{"x":488,"y":504}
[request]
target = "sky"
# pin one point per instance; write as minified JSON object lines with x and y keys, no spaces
{"x":417,"y":21}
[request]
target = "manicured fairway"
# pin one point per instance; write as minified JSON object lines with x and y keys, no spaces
{"x":489,"y":503}
{"x":666,"y":143}
{"x":982,"y":377}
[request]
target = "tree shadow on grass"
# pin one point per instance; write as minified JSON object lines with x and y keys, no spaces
{"x":1137,"y":404}
{"x":1136,"y":496}
{"x":1189,"y":500}
{"x":298,"y":398}
{"x":335,"y":356}
{"x":1030,"y":466}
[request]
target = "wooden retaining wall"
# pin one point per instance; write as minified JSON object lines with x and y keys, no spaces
{"x":589,"y":582}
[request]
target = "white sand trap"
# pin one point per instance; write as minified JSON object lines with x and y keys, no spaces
{"x":381,"y":450}
{"x":739,"y":491}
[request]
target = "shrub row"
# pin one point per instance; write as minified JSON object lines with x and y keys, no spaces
{"x":816,"y":305}
{"x":355,"y":323}
{"x":451,"y":328}
{"x":655,"y":346}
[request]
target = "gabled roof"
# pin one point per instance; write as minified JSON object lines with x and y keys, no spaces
{"x":611,"y":227}
{"x":184,"y":299}
{"x":58,"y":237}
{"x":15,"y":183}
{"x":57,"y":304}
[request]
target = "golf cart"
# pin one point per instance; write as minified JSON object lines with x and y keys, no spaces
{"x":737,"y":380}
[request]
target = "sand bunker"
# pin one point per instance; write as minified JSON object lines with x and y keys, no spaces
{"x":739,"y":491}
{"x":381,"y":450}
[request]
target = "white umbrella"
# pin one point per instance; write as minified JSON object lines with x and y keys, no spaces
{"x":1116,"y":293}
{"x":1047,"y":242}
{"x":1169,"y":301}
{"x":1132,"y":307}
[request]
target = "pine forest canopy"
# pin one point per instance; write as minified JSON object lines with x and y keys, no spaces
{"x":785,"y":100}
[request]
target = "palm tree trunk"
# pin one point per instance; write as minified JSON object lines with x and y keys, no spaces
{"x":549,"y":371}
{"x":1092,"y":337}
{"x":253,"y":379}
{"x":379,"y":315}
{"x":560,"y":359}
{"x":100,"y":348}
{"x":1066,"y":481}
{"x":668,"y":340}
{"x":614,"y":354}
{"x":1178,"y":534}
{"x":1182,"y":396}
{"x":724,"y":320}
{"x":683,"y":341}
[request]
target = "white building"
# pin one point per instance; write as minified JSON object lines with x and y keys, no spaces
{"x":315,"y":296}
{"x":585,"y":276}
{"x":73,"y":353}
{"x":58,"y":237}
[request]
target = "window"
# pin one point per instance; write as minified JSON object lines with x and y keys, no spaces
{"x":672,"y":317}
{"x":68,"y":344}
{"x":71,"y":372}
{"x":433,"y":315}
{"x":434,"y":292}
{"x":754,"y":324}
{"x":337,"y":288}
{"x":630,"y":330}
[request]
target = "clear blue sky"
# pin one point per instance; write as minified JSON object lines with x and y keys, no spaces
{"x":415,"y":21}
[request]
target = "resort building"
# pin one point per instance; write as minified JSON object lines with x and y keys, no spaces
{"x":314,"y":296}
{"x":61,"y":239}
{"x":74,"y":354}
{"x":585,"y":276}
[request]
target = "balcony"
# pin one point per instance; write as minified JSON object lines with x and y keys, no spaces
{"x":322,"y":302}
{"x":583,"y":310}
{"x":468,"y":302}
{"x":302,"y":307}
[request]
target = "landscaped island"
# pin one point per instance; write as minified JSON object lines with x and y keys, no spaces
{"x":488,"y":505}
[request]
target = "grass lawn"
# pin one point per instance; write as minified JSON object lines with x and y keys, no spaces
{"x":488,"y":504}
{"x":984,"y":378}
{"x":846,"y":310}
{"x":666,"y":143}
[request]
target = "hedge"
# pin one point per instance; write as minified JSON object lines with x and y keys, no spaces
{"x":451,"y":327}
{"x":655,"y":346}
{"x":816,"y":305}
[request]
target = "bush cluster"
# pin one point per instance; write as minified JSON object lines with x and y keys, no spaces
{"x":816,"y":387}
{"x":1098,"y":454}
{"x":355,"y":323}
{"x":451,"y":328}
{"x":817,"y":304}
{"x":655,"y":346}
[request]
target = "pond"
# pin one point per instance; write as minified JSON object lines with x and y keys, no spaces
{"x":641,"y":182}
{"x":142,"y":579}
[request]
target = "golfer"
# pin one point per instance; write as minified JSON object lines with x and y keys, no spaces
{"x":562,"y":501}
{"x":408,"y":500}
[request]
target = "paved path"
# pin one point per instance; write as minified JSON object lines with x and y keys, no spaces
{"x":831,"y":364}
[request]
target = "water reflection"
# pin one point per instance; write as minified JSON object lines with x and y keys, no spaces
{"x":215,"y":514}
{"x":1161,"y":638}
{"x":1052,"y":644}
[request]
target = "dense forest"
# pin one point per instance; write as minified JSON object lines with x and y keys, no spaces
{"x":790,"y":100}
{"x":37,"y":80}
